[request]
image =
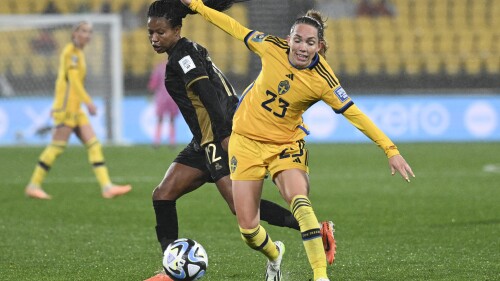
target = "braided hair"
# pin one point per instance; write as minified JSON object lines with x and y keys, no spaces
{"x":174,"y":11}
{"x":314,"y":18}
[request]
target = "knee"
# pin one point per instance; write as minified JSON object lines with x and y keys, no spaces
{"x":157,"y":193}
{"x":165,"y":191}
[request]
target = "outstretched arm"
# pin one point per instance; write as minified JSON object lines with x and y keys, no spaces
{"x":221,"y":20}
{"x":396,"y":162}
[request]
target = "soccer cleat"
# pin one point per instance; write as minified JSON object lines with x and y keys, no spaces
{"x":36,"y":192}
{"x":327,"y":230}
{"x":115,"y":190}
{"x":273,"y":271}
{"x":159,"y":277}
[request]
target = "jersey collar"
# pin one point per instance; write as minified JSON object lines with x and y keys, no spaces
{"x":177,"y":44}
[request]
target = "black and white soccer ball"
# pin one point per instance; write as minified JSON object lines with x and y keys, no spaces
{"x":185,"y":260}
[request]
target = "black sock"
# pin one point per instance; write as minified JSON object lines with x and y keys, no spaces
{"x":167,"y":227}
{"x":276,"y":215}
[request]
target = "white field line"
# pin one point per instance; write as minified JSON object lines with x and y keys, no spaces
{"x":492,"y":168}
{"x":89,"y":179}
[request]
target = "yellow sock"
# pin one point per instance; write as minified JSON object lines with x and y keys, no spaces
{"x":96,"y":159}
{"x":47,"y":158}
{"x":259,"y":240}
{"x":309,"y":228}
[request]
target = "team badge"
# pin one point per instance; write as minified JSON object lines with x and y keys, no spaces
{"x":341,"y":94}
{"x":233,"y":164}
{"x":283,"y":87}
{"x":74,"y":60}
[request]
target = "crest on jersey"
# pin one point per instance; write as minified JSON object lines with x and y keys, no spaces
{"x":74,"y":60}
{"x":233,"y":164}
{"x":259,"y":37}
{"x":187,"y":64}
{"x":341,"y":94}
{"x":283,"y":87}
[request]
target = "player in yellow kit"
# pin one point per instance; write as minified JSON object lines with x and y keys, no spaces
{"x":268,"y":130}
{"x":69,"y":118}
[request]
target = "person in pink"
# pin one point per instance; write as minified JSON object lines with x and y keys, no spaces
{"x":165,"y":105}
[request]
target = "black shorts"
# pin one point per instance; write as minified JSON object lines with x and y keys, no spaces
{"x":212,"y":160}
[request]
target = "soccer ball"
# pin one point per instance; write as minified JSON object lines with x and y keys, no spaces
{"x":185,"y":260}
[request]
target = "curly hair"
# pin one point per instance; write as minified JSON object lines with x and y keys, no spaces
{"x":174,"y":11}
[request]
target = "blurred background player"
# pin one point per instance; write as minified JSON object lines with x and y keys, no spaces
{"x":164,"y":105}
{"x":268,"y":130}
{"x":69,"y":118}
{"x":207,"y":102}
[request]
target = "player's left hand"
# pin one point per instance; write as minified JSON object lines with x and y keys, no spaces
{"x":398,"y":163}
{"x":92,"y":109}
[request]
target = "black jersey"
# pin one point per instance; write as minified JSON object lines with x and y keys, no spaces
{"x":208,"y":110}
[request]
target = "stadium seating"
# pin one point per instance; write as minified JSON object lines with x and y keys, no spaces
{"x":432,"y":37}
{"x":429,"y":37}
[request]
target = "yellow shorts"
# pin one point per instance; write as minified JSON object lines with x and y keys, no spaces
{"x":70,"y":119}
{"x":251,"y":160}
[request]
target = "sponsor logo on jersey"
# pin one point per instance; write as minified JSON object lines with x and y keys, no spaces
{"x":341,"y":94}
{"x":259,"y":37}
{"x":283,"y":87}
{"x":187,"y":64}
{"x":290,"y":76}
{"x":218,"y":166}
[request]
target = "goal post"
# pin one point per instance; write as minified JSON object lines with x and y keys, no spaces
{"x":30,"y":50}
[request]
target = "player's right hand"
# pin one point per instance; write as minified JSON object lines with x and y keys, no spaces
{"x":92,"y":108}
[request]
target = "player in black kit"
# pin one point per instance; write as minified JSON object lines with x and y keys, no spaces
{"x":207,"y":102}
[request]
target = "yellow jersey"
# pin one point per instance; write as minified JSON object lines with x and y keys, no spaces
{"x":271,"y":108}
{"x":282,"y":93}
{"x":69,"y":88}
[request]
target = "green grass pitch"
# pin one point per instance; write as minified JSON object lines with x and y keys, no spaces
{"x":444,"y":225}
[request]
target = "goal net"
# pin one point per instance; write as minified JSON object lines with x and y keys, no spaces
{"x":29,"y":60}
